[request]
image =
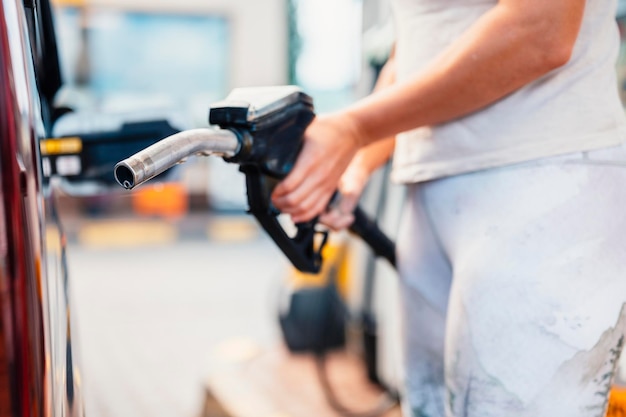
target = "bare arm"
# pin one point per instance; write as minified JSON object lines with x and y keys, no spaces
{"x":514,"y":43}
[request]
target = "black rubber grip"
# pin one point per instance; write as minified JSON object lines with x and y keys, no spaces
{"x":369,"y":231}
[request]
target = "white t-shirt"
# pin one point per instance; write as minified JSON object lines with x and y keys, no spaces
{"x":573,"y":108}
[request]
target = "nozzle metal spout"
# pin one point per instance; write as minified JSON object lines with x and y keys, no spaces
{"x":173,"y":150}
{"x":125,"y":174}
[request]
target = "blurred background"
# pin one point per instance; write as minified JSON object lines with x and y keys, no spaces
{"x":172,"y":278}
{"x":169,"y":277}
{"x":179,"y":56}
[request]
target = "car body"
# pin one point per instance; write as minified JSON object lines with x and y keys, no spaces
{"x":46,"y":151}
{"x":38,"y":371}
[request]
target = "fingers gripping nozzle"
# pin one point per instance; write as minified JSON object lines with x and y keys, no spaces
{"x":272,"y":121}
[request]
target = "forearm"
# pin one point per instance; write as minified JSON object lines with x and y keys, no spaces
{"x":513,"y":44}
{"x":374,"y":155}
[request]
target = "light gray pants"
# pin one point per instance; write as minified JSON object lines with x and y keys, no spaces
{"x":514,"y":288}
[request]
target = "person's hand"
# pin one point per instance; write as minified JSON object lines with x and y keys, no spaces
{"x":340,"y":215}
{"x":330,"y":143}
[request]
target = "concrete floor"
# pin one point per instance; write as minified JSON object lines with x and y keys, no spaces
{"x":151,"y":315}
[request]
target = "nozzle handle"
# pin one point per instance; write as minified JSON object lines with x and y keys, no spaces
{"x":367,"y":229}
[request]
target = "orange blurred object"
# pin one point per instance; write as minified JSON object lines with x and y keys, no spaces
{"x":336,"y":267}
{"x":167,"y":199}
{"x":617,"y":402}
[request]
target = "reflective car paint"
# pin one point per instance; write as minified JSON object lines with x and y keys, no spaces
{"x":37,"y":373}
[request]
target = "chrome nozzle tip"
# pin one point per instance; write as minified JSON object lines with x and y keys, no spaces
{"x":125,"y":176}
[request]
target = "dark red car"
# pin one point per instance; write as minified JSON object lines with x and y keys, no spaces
{"x":39,"y":375}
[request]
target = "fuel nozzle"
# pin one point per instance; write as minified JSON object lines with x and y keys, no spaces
{"x":262,"y":130}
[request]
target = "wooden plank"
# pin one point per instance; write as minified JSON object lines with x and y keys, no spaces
{"x":272,"y":382}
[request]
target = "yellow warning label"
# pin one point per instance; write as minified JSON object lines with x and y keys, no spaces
{"x":61,"y":146}
{"x":336,"y":266}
